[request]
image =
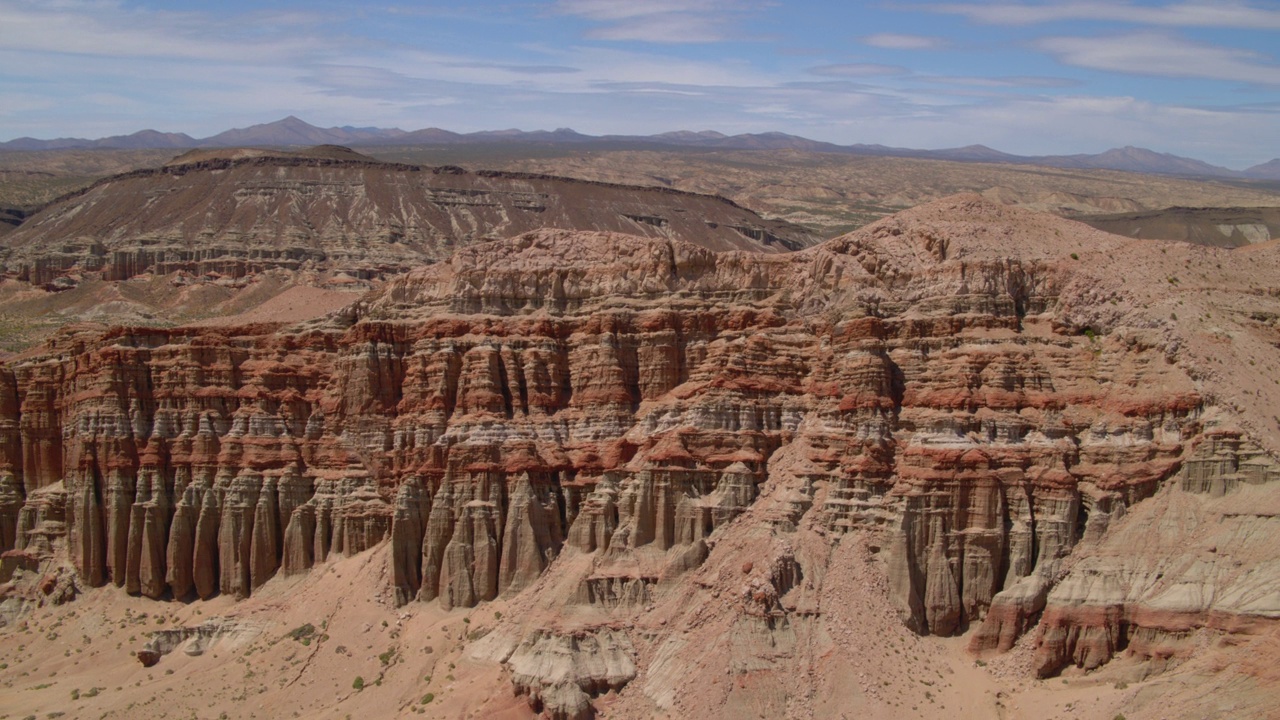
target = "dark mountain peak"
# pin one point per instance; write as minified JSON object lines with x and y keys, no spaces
{"x":687,"y":135}
{"x":291,"y":122}
{"x":563,"y":134}
{"x":976,"y":153}
{"x":144,"y":139}
{"x":431,"y":136}
{"x":1136,"y":159}
{"x":1269,"y":170}
{"x":289,"y":130}
{"x":1133,"y":151}
{"x":516,"y":135}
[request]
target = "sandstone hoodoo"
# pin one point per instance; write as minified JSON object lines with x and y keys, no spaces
{"x":689,"y":467}
{"x":238,"y":212}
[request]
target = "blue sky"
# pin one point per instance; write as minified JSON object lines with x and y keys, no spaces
{"x":1194,"y":78}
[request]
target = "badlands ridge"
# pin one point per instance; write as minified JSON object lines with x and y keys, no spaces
{"x":693,"y":483}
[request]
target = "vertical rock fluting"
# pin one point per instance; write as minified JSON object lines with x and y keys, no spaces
{"x":152,"y":518}
{"x":627,"y":398}
{"x":179,"y":553}
{"x":12,"y":491}
{"x":39,"y":423}
{"x":11,"y":502}
{"x":435,"y":538}
{"x":1186,"y":560}
{"x":533,"y":535}
{"x":408,"y":525}
{"x":240,"y":496}
{"x":469,"y":570}
{"x":204,"y":557}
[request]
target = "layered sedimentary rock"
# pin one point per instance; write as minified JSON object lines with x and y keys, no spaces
{"x":194,"y":640}
{"x":234,"y":213}
{"x":1202,"y":555}
{"x":562,"y":673}
{"x":970,"y":386}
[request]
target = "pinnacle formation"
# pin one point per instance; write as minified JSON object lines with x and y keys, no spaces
{"x":689,"y":483}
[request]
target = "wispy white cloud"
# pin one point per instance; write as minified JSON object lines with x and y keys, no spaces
{"x":614,"y":10}
{"x":895,"y":41}
{"x":1220,"y":13}
{"x":1164,"y":55}
{"x":1011,"y":81}
{"x":780,"y":111}
{"x":16,"y":104}
{"x":673,"y":28}
{"x":656,"y":88}
{"x":858,"y":70}
{"x":109,"y":29}
{"x":661,"y":21}
{"x":612,"y":65}
{"x":518,"y":69}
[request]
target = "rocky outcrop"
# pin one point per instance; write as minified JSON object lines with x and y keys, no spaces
{"x":1196,"y":557}
{"x":560,"y":673}
{"x":195,"y":640}
{"x":955,"y":383}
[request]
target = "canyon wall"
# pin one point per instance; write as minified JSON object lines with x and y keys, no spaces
{"x":954,"y":383}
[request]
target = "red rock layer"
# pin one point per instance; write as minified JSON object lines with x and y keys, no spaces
{"x":1197,"y":557}
{"x":622,"y":396}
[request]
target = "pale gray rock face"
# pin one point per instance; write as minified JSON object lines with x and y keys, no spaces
{"x":1199,"y":555}
{"x":562,"y":673}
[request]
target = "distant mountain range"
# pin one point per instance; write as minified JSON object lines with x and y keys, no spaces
{"x":293,"y":132}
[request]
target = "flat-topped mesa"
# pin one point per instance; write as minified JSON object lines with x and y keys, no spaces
{"x":976,"y":389}
{"x":241,"y":212}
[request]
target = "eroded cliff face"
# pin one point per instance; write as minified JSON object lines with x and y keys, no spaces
{"x":1201,"y":555}
{"x":238,"y":213}
{"x":956,"y":386}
